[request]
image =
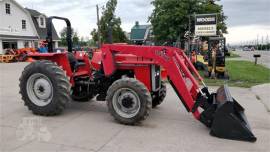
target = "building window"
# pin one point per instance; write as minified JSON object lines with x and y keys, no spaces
{"x":24,"y":24}
{"x":42,"y":21}
{"x":7,"y":8}
{"x":26,"y":44}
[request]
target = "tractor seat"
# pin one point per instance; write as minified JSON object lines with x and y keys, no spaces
{"x":74,"y":63}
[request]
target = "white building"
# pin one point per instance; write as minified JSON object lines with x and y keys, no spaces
{"x":20,"y":27}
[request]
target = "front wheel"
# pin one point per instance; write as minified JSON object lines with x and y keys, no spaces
{"x":129,"y":101}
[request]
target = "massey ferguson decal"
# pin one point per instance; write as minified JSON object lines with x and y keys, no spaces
{"x":162,"y":53}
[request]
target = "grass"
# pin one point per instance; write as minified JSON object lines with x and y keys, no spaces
{"x":233,"y":55}
{"x":242,"y":74}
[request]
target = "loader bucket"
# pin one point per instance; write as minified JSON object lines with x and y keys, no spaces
{"x":229,"y":120}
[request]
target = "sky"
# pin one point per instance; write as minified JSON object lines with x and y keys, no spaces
{"x":247,"y":19}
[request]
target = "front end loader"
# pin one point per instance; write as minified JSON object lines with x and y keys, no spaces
{"x":129,"y":79}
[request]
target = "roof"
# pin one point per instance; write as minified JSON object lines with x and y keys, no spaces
{"x":42,"y":32}
{"x":33,"y":12}
{"x":16,"y":3}
{"x":138,"y":32}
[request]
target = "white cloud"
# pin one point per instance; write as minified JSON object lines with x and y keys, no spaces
{"x":82,"y":13}
{"x":245,"y":18}
{"x":246,"y":34}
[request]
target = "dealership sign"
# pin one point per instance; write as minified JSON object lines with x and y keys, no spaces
{"x":205,"y":24}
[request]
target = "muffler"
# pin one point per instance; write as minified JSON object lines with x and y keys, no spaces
{"x":225,"y":116}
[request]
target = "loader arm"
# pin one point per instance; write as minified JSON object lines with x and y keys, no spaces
{"x":220,"y":112}
{"x":181,"y":73}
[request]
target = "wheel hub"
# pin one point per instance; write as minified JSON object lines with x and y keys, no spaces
{"x":42,"y":88}
{"x":126,"y":102}
{"x":39,"y":89}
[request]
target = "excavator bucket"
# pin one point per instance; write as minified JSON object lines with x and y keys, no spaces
{"x":228,"y":119}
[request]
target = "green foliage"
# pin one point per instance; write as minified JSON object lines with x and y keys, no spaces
{"x":63,"y":36}
{"x":76,"y":40}
{"x":263,"y":47}
{"x":170,"y":18}
{"x":94,"y":35}
{"x":243,"y":74}
{"x":232,"y":55}
{"x":109,"y":19}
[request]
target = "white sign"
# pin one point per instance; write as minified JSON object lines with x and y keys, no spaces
{"x":205,"y":30}
{"x":206,"y":25}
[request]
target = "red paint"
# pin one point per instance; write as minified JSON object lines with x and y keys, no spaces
{"x":175,"y":64}
{"x":143,"y":74}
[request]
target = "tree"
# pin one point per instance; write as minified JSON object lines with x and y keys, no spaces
{"x":75,"y":39}
{"x":109,"y":20}
{"x":170,"y":18}
{"x":209,"y":6}
{"x":63,"y":36}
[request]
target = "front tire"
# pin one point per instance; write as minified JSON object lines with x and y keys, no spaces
{"x":128,"y":101}
{"x":44,"y":88}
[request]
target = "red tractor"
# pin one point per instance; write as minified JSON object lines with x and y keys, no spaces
{"x":129,"y":79}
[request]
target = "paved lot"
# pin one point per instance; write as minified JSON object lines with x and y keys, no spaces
{"x":248,"y":55}
{"x":89,"y":127}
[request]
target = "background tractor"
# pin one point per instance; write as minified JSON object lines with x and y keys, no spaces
{"x":129,"y":79}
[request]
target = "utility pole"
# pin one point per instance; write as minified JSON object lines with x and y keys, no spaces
{"x":267,"y":42}
{"x":257,"y":42}
{"x":98,"y":29}
{"x":110,"y":37}
{"x":189,"y":32}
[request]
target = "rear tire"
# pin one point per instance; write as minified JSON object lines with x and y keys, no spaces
{"x":160,"y":96}
{"x":128,"y":101}
{"x":44,"y":88}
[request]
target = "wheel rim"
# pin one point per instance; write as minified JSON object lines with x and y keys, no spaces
{"x":39,"y":89}
{"x":126,"y":103}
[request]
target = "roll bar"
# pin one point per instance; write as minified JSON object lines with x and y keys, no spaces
{"x":49,"y":38}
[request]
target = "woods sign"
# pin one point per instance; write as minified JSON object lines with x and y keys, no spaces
{"x":205,"y":25}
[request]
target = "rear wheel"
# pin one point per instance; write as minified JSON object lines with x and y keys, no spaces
{"x":44,"y":88}
{"x":160,"y":95}
{"x":129,"y":101}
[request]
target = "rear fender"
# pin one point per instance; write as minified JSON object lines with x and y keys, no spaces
{"x":60,"y":59}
